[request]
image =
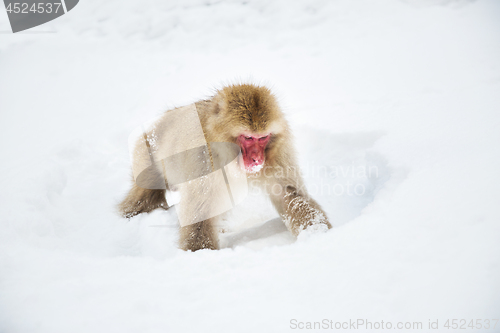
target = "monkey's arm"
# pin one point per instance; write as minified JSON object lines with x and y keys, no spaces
{"x":303,"y":212}
{"x":298,"y":210}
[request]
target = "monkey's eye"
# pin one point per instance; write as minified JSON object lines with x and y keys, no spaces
{"x":248,"y":138}
{"x":264,"y":138}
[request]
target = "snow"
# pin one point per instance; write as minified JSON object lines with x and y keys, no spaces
{"x":394,"y":107}
{"x":255,"y":168}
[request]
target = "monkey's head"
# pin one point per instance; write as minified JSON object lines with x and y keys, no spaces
{"x":249,"y":116}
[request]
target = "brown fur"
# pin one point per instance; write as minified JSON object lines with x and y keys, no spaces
{"x":140,"y":200}
{"x":198,"y":236}
{"x":234,"y":110}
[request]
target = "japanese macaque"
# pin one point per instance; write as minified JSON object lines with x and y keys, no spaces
{"x":245,"y":115}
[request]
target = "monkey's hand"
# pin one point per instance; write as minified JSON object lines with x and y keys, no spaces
{"x":303,"y":214}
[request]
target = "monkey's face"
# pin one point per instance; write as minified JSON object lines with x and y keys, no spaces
{"x":253,"y":147}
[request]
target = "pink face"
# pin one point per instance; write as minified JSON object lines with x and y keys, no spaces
{"x":253,"y":148}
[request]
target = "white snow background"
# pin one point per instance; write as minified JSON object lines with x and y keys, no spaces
{"x":408,"y":89}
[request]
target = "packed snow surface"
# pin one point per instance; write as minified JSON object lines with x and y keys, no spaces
{"x":395,"y":108}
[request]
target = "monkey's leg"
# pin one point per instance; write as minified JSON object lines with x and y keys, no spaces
{"x":140,"y":200}
{"x":198,"y":236}
{"x":300,"y":212}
